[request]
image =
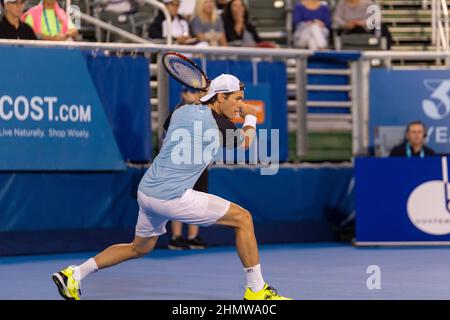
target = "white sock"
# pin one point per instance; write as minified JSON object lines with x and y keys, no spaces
{"x":80,"y":272}
{"x":254,"y":277}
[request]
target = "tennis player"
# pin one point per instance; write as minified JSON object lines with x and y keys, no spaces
{"x":165,"y":192}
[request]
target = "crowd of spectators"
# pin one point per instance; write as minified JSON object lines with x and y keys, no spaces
{"x":199,"y":22}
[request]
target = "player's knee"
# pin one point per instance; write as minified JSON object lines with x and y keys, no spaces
{"x":140,"y":251}
{"x":245,"y":219}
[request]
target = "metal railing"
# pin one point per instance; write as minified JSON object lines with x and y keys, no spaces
{"x":113,"y":29}
{"x":125,"y":34}
{"x":163,"y":8}
{"x":440,"y":25}
{"x":289,"y":28}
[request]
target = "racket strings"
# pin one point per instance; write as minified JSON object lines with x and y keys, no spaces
{"x":185,"y":72}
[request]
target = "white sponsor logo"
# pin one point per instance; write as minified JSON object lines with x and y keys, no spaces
{"x":37,"y":108}
{"x":437,"y":107}
{"x":428,"y":205}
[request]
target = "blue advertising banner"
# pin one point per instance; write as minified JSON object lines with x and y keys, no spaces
{"x":51,"y":117}
{"x":401,"y":200}
{"x":398,"y":97}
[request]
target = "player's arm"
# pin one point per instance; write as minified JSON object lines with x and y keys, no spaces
{"x":248,"y":112}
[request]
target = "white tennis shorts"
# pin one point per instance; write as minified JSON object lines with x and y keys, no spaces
{"x":193,"y":207}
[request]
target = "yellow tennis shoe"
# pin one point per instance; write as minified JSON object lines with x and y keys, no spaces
{"x":68,"y":287}
{"x":267,"y":293}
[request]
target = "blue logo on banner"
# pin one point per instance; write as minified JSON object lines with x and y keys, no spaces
{"x":398,"y":97}
{"x":51,"y":117}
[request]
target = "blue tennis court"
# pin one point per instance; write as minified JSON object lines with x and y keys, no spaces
{"x":301,"y":271}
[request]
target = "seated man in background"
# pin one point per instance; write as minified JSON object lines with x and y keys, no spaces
{"x":414,"y":144}
{"x":10,"y":25}
{"x":50,"y":22}
{"x":180,"y":27}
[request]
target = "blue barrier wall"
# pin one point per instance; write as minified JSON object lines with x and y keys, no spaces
{"x":40,"y":214}
{"x":123,"y":87}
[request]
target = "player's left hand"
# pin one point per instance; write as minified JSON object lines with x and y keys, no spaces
{"x":246,"y":109}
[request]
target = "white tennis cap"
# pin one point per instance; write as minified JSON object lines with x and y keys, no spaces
{"x":225,"y":83}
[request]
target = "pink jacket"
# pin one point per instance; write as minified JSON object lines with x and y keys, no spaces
{"x":36,"y":13}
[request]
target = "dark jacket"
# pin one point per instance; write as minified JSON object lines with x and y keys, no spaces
{"x":233,"y":36}
{"x":400,"y":151}
{"x":8,"y":31}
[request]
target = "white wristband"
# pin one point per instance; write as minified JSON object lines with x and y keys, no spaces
{"x":250,"y":121}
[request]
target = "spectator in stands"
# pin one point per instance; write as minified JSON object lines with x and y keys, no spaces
{"x":312,"y":24}
{"x":350,"y":16}
{"x":180,"y":27}
{"x":50,"y":22}
{"x":207,"y":25}
{"x":193,"y":241}
{"x":414,"y":144}
{"x":239,"y":30}
{"x":10,"y":25}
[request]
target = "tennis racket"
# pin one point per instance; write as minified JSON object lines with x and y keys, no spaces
{"x":185,"y":71}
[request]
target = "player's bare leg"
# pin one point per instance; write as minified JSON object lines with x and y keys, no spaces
{"x":247,"y":249}
{"x":68,"y":280}
{"x":241,"y":220}
{"x":121,"y":252}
